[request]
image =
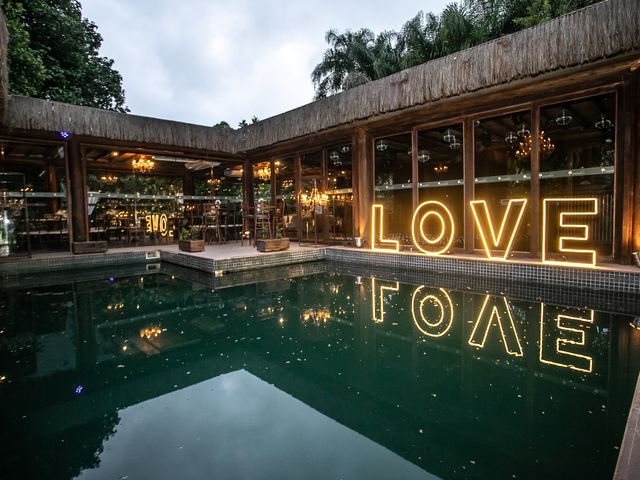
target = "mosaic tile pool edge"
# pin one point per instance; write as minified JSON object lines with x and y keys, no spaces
{"x":592,"y":279}
{"x":71,"y":262}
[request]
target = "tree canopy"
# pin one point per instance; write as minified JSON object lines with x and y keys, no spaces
{"x":357,"y":57}
{"x":54,"y":54}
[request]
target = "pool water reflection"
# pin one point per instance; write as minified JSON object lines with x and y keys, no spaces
{"x":320,"y":376}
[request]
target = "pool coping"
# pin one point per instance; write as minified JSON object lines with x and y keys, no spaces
{"x":628,"y":464}
{"x":613,"y":278}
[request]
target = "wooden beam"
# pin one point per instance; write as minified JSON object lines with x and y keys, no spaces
{"x":468,"y":159}
{"x":77,"y":200}
{"x":363,"y":175}
{"x":534,"y":198}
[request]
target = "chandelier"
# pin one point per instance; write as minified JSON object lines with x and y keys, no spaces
{"x":603,"y":123}
{"x":264,"y":172}
{"x":381,"y":145}
{"x":565,"y":118}
{"x":150,"y":332}
{"x":439,"y":169}
{"x":314,"y":197}
{"x":524,"y":149}
{"x":142,"y":164}
{"x":317,"y":317}
{"x":108,"y":179}
{"x":214,"y":182}
{"x":424,"y":156}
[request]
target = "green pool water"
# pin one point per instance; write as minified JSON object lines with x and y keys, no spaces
{"x":125,"y":375}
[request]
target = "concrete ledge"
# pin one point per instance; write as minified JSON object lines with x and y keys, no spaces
{"x":614,"y":278}
{"x":628,"y":466}
{"x":242,"y":263}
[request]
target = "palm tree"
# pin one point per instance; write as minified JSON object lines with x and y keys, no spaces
{"x":349,"y":53}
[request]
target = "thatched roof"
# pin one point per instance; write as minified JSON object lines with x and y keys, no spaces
{"x":35,"y":114}
{"x":586,"y":36}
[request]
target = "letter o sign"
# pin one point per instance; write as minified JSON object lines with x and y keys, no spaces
{"x":445,"y":227}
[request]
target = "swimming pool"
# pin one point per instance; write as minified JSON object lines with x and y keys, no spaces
{"x":328,"y":374}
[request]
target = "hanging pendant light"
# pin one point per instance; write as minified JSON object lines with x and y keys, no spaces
{"x":448,"y":136}
{"x":424,"y":156}
{"x":381,"y":145}
{"x":511,"y":137}
{"x":454,"y":144}
{"x":564,"y":118}
{"x":523,"y":131}
{"x":603,"y":123}
{"x":335,"y":158}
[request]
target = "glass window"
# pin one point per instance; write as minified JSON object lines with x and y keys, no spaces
{"x":311,"y":164}
{"x":577,"y":159}
{"x":440,"y":174}
{"x":33,"y":181}
{"x":286,"y":196}
{"x":502,"y":148}
{"x":393,"y":185}
{"x":339,"y":170}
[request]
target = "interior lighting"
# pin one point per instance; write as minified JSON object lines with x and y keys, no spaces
{"x":448,"y":136}
{"x":381,"y":145}
{"x":565,"y":117}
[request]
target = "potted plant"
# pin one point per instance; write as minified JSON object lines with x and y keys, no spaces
{"x":273,"y":244}
{"x":82,"y":245}
{"x":190,"y":240}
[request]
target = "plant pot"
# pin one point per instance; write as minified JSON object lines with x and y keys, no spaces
{"x":98,"y":246}
{"x":272,"y":244}
{"x":191,"y":245}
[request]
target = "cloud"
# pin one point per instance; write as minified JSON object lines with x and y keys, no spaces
{"x":202,"y":61}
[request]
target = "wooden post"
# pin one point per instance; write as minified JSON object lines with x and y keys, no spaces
{"x":297,"y":181}
{"x":627,"y":215}
{"x":79,"y":218}
{"x":468,"y":159}
{"x":534,"y":200}
{"x":52,"y":180}
{"x":247,"y":183}
{"x":415,"y":198}
{"x":363,"y":177}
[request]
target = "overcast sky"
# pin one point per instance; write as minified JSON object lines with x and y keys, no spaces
{"x":203,"y":61}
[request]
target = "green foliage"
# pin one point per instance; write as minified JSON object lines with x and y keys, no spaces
{"x":54,"y":54}
{"x":192,"y":233}
{"x":223,"y":125}
{"x":355,"y":58}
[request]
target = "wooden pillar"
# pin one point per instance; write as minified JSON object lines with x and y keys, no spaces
{"x":77,"y":200}
{"x":363,"y":177}
{"x":52,"y":180}
{"x":414,"y":169}
{"x":469,"y":183}
{"x":297,"y":180}
{"x":627,"y":198}
{"x":187,"y":184}
{"x":534,"y":199}
{"x":247,"y":183}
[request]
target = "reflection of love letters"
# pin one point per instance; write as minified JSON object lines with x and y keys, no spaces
{"x":563,"y":330}
{"x":564,"y":230}
{"x":158,"y":224}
